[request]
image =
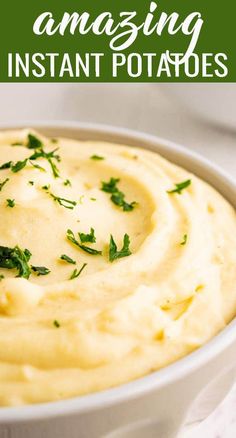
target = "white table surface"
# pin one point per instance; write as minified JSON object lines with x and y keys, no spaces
{"x":144,"y":107}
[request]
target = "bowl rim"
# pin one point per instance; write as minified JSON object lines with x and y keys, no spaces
{"x":169,"y":374}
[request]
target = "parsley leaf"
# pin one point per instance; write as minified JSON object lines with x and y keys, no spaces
{"x":40,"y":270}
{"x":54,"y":168}
{"x":117,"y":197}
{"x":71,"y":238}
{"x":180,"y":186}
{"x":2,"y":184}
{"x":6,"y":165}
{"x":19,"y":166}
{"x":110,"y":186}
{"x":124,"y":252}
{"x":16,"y":258}
{"x":88,"y":237}
{"x":66,"y":203}
{"x":67,"y":183}
{"x":17,"y":143}
{"x":11,"y":203}
{"x":33,"y":142}
{"x":49,"y":156}
{"x":67,"y":259}
{"x":96,"y":158}
{"x":37,"y":166}
{"x":90,"y":250}
{"x":184,"y":241}
{"x":14,"y":167}
{"x":76,"y":273}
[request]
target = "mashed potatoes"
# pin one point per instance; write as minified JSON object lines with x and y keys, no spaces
{"x":113,"y":263}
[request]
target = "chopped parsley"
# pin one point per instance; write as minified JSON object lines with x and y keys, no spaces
{"x":56,"y":324}
{"x":67,"y":259}
{"x":40,"y":270}
{"x":17,"y":143}
{"x":19,"y":165}
{"x":54,"y":168}
{"x":6,"y":165}
{"x":180,"y":187}
{"x":39,"y":152}
{"x":54,"y":140}
{"x":71,"y":238}
{"x":31,"y":183}
{"x":114,"y":254}
{"x":11,"y":203}
{"x":184,"y":241}
{"x":89,"y":250}
{"x":66,"y":203}
{"x":117,"y":197}
{"x":67,"y":183}
{"x":88,"y":237}
{"x":97,"y":158}
{"x":37,"y":166}
{"x":81,"y":199}
{"x":93,"y":199}
{"x":76,"y":273}
{"x":49,"y":156}
{"x":34,"y":142}
{"x":16,"y":258}
{"x":2,"y":184}
{"x":1,"y":277}
{"x":110,"y":186}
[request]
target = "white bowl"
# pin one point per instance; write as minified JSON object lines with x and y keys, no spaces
{"x":158,"y":404}
{"x":215,"y":103}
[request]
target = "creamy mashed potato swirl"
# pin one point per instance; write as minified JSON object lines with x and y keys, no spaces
{"x":170,"y":291}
